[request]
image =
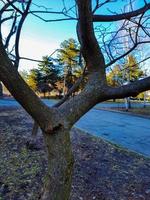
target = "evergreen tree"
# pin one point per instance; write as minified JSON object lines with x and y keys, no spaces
{"x":128,"y":72}
{"x":50,"y":74}
{"x":33,"y":79}
{"x":132,"y":69}
{"x":68,"y":57}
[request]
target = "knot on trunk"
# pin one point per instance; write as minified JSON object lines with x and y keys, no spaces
{"x":53,"y":129}
{"x":55,"y":123}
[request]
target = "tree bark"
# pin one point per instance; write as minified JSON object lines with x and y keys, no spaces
{"x":60,"y":166}
{"x":123,"y":16}
{"x":56,"y":122}
{"x":1,"y":90}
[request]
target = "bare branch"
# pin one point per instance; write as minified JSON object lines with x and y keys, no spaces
{"x":72,"y":90}
{"x":24,"y":95}
{"x":12,"y":31}
{"x":30,"y":59}
{"x":126,"y":53}
{"x":53,"y":20}
{"x":137,"y":63}
{"x":24,"y":15}
{"x":6,"y":6}
{"x":99,"y":5}
{"x":35,"y":60}
{"x":17,"y":9}
{"x":132,"y":89}
{"x":127,"y":16}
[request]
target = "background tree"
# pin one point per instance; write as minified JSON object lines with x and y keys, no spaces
{"x":127,"y":72}
{"x":57,"y":121}
{"x":50,"y":74}
{"x":24,"y":74}
{"x":34,"y":79}
{"x":132,"y":71}
{"x":44,"y":78}
{"x":69,"y":56}
{"x":114,"y":77}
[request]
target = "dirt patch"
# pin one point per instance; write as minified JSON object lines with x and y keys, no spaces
{"x":102,"y":171}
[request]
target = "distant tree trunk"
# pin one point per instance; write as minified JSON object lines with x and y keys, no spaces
{"x":1,"y":90}
{"x":60,"y":166}
{"x":44,"y":95}
{"x":144,"y":106}
{"x":127,"y":103}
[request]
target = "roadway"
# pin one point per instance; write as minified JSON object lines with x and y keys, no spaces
{"x":129,"y":131}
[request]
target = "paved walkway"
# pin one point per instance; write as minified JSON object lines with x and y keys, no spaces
{"x":126,"y":130}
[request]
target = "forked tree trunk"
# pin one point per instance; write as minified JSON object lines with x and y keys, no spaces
{"x":60,"y":166}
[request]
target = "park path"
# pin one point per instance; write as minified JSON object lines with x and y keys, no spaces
{"x":129,"y":131}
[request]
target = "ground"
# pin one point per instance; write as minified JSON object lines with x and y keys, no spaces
{"x":142,"y":111}
{"x":102,"y":171}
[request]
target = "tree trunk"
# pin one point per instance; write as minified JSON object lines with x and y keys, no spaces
{"x":57,"y":184}
{"x":127,"y":103}
{"x":1,"y":90}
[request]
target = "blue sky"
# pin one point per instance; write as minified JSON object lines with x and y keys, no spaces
{"x":40,"y":38}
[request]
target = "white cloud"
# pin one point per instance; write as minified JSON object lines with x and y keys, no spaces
{"x":35,"y":48}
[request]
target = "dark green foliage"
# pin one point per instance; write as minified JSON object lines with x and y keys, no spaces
{"x":44,"y":78}
{"x":128,"y":72}
{"x":50,"y":72}
{"x":69,"y":57}
{"x":34,"y":78}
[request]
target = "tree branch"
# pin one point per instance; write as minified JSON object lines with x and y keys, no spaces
{"x":126,"y":53}
{"x":89,"y":46}
{"x":4,"y":8}
{"x":24,"y":15}
{"x":72,"y":89}
{"x":11,"y":3}
{"x":12,"y":31}
{"x":132,"y":89}
{"x":47,"y":118}
{"x":118,"y":17}
{"x":53,"y":20}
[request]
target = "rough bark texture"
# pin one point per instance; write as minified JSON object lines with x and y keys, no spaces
{"x":1,"y":90}
{"x":89,"y":45}
{"x":60,"y":165}
{"x":56,"y":122}
{"x":94,"y":92}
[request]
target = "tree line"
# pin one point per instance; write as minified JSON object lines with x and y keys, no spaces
{"x":59,"y":74}
{"x":56,"y":74}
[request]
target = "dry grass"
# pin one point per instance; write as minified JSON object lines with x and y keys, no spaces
{"x":102,"y":171}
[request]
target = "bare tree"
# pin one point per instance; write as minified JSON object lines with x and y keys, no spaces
{"x":57,"y":121}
